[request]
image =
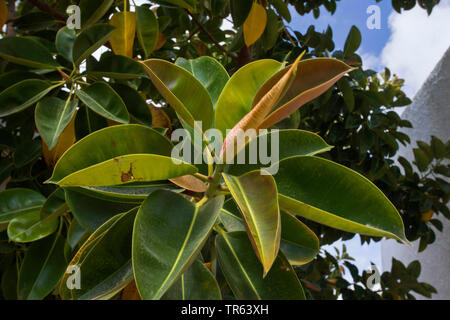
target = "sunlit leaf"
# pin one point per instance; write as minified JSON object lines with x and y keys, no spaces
{"x":122,"y":38}
{"x":111,"y":143}
{"x":3,"y":13}
{"x":262,"y":218}
{"x":209,"y":72}
{"x":255,"y":24}
{"x":185,"y":94}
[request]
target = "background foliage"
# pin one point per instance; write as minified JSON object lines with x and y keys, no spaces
{"x":357,"y":116}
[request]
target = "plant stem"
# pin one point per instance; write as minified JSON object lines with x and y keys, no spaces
{"x":210,"y":36}
{"x":215,"y":182}
{"x":46,"y":8}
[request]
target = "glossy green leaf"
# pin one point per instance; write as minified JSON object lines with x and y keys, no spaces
{"x":243,"y":271}
{"x":272,"y":31}
{"x":288,"y":143}
{"x":313,"y":78}
{"x":90,"y":210}
{"x":27,"y":152}
{"x":333,"y":195}
{"x":262,"y":218}
{"x":209,"y":72}
{"x":185,"y":94}
{"x":136,"y":105}
{"x":75,"y":234}
{"x":30,"y":227}
{"x":353,"y":42}
{"x":169,"y":233}
{"x":237,"y":96}
{"x":93,"y":11}
{"x":186,"y":4}
{"x":102,"y":99}
{"x":197,"y":283}
{"x":298,"y":243}
{"x":130,"y":192}
{"x":42,"y":268}
{"x":110,"y":143}
{"x":90,"y":40}
{"x":117,"y":67}
{"x":8,"y":79}
{"x":17,"y":202}
{"x":147,"y":28}
{"x":26,"y":52}
{"x":104,"y":261}
{"x":55,"y":204}
{"x":65,"y":41}
{"x":23,"y":95}
{"x":128,"y":168}
{"x":52,"y":116}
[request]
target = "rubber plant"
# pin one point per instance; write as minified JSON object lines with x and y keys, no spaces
{"x":125,"y":215}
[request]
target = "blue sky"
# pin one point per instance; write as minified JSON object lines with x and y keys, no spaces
{"x":349,"y":13}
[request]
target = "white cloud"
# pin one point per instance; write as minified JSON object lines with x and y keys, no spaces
{"x":417,"y":43}
{"x":370,"y":61}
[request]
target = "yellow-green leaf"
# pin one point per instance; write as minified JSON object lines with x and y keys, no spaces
{"x":128,"y":168}
{"x":256,"y":196}
{"x":122,"y":38}
{"x":3,"y":13}
{"x":185,"y":94}
{"x":255,"y":24}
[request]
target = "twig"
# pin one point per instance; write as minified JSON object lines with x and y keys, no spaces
{"x":10,"y":32}
{"x":46,"y":8}
{"x":210,"y":36}
{"x":289,"y":36}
